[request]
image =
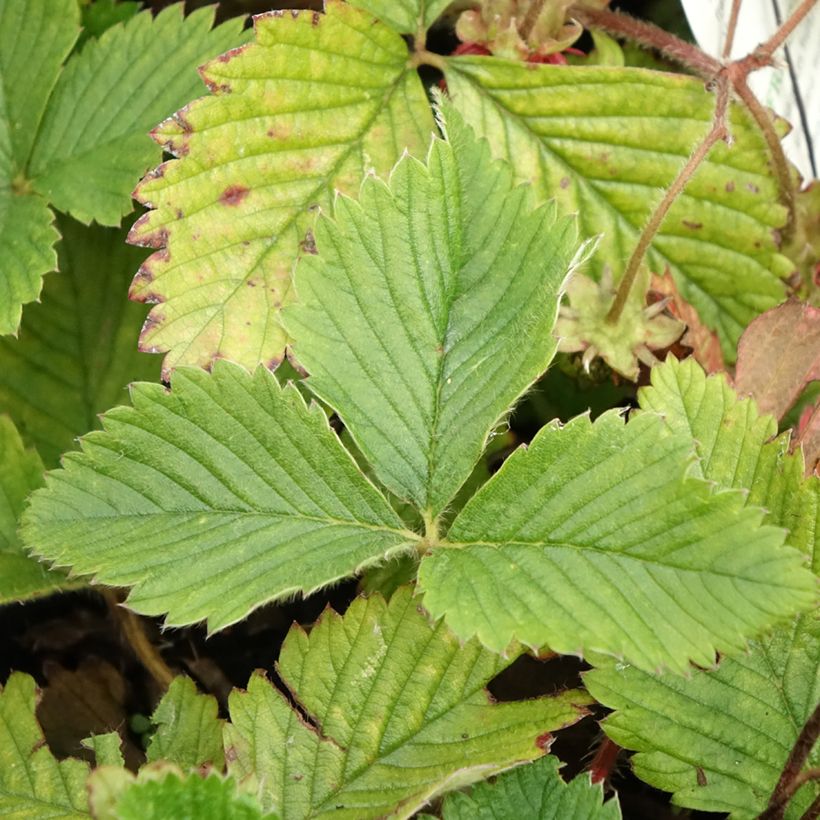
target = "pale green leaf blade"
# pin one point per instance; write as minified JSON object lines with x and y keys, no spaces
{"x":27,"y":237}
{"x":444,"y":288}
{"x":398,"y":714}
{"x":76,"y":351}
{"x":310,"y":106}
{"x":534,"y":792}
{"x":35,"y":37}
{"x":32,"y":783}
{"x":679,"y":570}
{"x":405,"y":16}
{"x":93,"y":145}
{"x":605,"y":141}
{"x":189,"y":731}
{"x":212,"y":498}
{"x":173,"y":797}
{"x":107,"y":749}
{"x":21,"y":472}
{"x":719,"y":739}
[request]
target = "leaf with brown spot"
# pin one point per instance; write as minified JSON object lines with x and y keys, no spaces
{"x":778,"y":355}
{"x":314,"y":103}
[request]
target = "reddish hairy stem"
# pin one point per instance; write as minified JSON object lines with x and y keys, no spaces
{"x":792,"y":773}
{"x":717,"y":132}
{"x":731,"y":28}
{"x":647,"y":34}
{"x":779,"y":37}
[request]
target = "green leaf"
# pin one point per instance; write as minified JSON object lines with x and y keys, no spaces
{"x":595,"y":539}
{"x":404,"y":16}
{"x":21,"y":471}
{"x":93,"y":143}
{"x":534,"y":792}
{"x":604,"y":141}
{"x":107,"y":749}
{"x":719,"y":739}
{"x":189,"y":731}
{"x":315,"y":102}
{"x":76,"y":352}
{"x":444,"y":288}
{"x":173,"y":797}
{"x":392,"y":712}
{"x":27,"y":237}
{"x":35,"y":37}
{"x":100,"y":15}
{"x":32,"y":783}
{"x":212,"y":498}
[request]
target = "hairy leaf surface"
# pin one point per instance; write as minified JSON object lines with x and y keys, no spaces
{"x":76,"y":353}
{"x":212,"y":498}
{"x":189,"y":731}
{"x":429,"y":310}
{"x":534,"y":792}
{"x":32,"y":782}
{"x":595,"y":539}
{"x":93,"y":143}
{"x":395,"y":713}
{"x":604,"y":141}
{"x":719,"y":739}
{"x":172,"y":796}
{"x":21,"y":471}
{"x":312,"y":105}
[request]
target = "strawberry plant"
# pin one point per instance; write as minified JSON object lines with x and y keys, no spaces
{"x":420,"y":275}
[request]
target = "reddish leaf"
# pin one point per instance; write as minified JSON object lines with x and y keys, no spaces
{"x":778,"y":355}
{"x":808,"y":436}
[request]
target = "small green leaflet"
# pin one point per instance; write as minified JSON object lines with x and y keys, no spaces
{"x":533,"y":792}
{"x":442,"y":288}
{"x":21,"y":471}
{"x":314,"y":103}
{"x":404,"y":16}
{"x":604,"y":141}
{"x":75,"y":353}
{"x":595,"y":539}
{"x":76,"y":137}
{"x":32,"y":782}
{"x":189,"y":731}
{"x":397,"y":714}
{"x":719,"y":739}
{"x":212,"y":498}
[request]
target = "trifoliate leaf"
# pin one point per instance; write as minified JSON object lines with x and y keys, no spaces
{"x":189,"y":731}
{"x":719,"y":739}
{"x":392,"y":712}
{"x":315,"y":102}
{"x":93,"y":142}
{"x":429,"y":310}
{"x":594,"y":539}
{"x":32,"y":783}
{"x":173,"y":797}
{"x":212,"y":498}
{"x":76,"y":351}
{"x":604,"y":141}
{"x":404,"y":16}
{"x":534,"y":792}
{"x":21,"y":472}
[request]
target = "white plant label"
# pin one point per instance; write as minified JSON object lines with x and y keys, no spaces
{"x":792,"y":87}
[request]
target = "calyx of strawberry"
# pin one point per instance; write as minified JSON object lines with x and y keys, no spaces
{"x":639,"y":330}
{"x":522,"y":29}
